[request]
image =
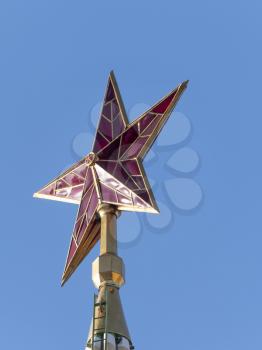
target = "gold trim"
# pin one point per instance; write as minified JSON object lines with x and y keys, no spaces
{"x":55,"y":198}
{"x":96,"y":183}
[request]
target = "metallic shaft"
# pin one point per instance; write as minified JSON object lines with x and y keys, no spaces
{"x":108,"y":274}
{"x":108,"y":244}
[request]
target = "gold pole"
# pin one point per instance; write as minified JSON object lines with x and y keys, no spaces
{"x":108,"y":274}
{"x":108,"y":241}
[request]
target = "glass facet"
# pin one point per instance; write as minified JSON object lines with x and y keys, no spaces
{"x":112,"y":120}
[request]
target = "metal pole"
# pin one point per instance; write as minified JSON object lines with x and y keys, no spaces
{"x":108,"y":241}
{"x":108,"y":275}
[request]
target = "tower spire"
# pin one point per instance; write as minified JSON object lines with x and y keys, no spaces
{"x":110,"y":179}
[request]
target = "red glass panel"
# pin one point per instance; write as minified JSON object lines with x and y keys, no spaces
{"x":131,"y":166}
{"x":88,"y":179}
{"x":123,"y":190}
{"x":81,"y":170}
{"x":78,"y":225}
{"x":82,"y":229}
{"x":92,"y":206}
{"x":139,"y":203}
{"x":123,"y":199}
{"x":108,"y":194}
{"x":107,"y":111}
{"x":131,"y":184}
{"x":111,"y":152}
{"x":134,"y":150}
{"x":73,"y":179}
{"x":85,"y":201}
{"x":109,"y":166}
{"x":114,"y":109}
{"x":139,"y":181}
{"x":117,"y":128}
{"x":144,"y":195}
{"x":145,"y":121}
{"x":100,"y":142}
{"x":76,"y":193}
{"x":64,"y":192}
{"x":49,"y":190}
{"x":128,"y":138}
{"x":120,"y":174}
{"x":105,"y":127}
{"x":61,"y":184}
{"x":151,"y":127}
{"x":163,"y":106}
{"x":110,"y":92}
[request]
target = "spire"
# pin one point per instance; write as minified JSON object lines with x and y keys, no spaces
{"x":108,"y":180}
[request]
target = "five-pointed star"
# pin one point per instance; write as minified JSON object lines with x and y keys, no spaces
{"x":113,"y":172}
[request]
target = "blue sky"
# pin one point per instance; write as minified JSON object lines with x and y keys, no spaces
{"x":195,"y":285}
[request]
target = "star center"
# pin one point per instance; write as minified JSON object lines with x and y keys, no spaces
{"x":91,"y":159}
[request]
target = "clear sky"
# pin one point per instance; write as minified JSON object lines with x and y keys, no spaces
{"x":193,"y":276}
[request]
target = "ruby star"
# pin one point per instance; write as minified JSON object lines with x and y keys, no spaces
{"x":113,"y":172}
